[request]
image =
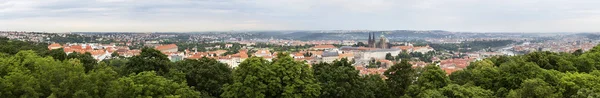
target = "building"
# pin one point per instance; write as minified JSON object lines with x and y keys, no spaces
{"x":371,"y":40}
{"x":323,"y":47}
{"x":409,"y":48}
{"x":329,"y":56}
{"x":228,"y":45}
{"x":423,"y":49}
{"x":379,"y":53}
{"x":54,"y":46}
{"x":167,"y":48}
{"x":383,"y":42}
{"x":266,"y":54}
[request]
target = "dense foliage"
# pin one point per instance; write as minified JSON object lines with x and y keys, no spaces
{"x":469,"y":46}
{"x":56,"y":75}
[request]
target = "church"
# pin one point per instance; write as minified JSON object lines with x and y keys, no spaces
{"x":383,"y":42}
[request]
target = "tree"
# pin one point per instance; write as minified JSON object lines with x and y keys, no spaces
{"x":400,"y":76}
{"x":296,"y":77}
{"x":578,"y":52}
{"x":513,"y":73}
{"x":114,"y":54}
{"x":375,"y":87}
{"x":58,"y":54}
{"x":403,"y":55}
{"x":579,"y":84}
{"x":359,"y":44}
{"x":206,"y":75}
{"x":458,"y":91}
{"x":481,"y":73}
{"x":340,"y":80}
{"x":252,"y":78}
{"x":284,"y":77}
{"x":548,"y":60}
{"x":18,"y":84}
{"x":148,"y":60}
{"x":88,"y":61}
{"x":431,"y":93}
{"x":148,"y":84}
{"x":535,"y":88}
{"x":389,"y":56}
{"x":432,"y":77}
{"x":587,"y":62}
{"x":14,"y":46}
{"x":100,"y":79}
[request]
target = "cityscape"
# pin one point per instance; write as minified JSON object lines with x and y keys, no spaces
{"x":299,"y":49}
{"x":371,"y":56}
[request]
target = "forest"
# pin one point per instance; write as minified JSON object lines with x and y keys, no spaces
{"x":470,"y":46}
{"x":32,"y":72}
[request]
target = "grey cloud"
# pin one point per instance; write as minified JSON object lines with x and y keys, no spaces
{"x":198,"y":15}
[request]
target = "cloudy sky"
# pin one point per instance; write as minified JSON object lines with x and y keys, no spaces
{"x":227,"y":15}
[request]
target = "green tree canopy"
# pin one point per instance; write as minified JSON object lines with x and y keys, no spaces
{"x":400,"y":76}
{"x":284,"y":77}
{"x":148,"y":60}
{"x":340,"y":80}
{"x":148,"y":84}
{"x":206,"y":75}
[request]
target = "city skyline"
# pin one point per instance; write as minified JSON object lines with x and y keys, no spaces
{"x":233,"y":15}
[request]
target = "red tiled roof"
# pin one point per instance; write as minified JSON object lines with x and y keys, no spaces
{"x":54,"y":45}
{"x":76,"y":47}
{"x":165,"y":47}
{"x":97,"y":52}
{"x":323,"y":46}
{"x":450,"y":70}
{"x":298,"y":54}
{"x":345,"y":55}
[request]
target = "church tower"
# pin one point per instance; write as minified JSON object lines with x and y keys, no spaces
{"x":383,"y":42}
{"x":371,"y":41}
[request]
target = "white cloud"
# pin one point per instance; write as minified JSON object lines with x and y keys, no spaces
{"x":207,"y":15}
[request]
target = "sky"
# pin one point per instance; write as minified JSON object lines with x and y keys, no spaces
{"x":248,"y":15}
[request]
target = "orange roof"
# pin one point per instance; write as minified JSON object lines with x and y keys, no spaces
{"x":68,"y":49}
{"x":97,"y":52}
{"x":298,"y":54}
{"x":243,"y":55}
{"x":450,"y":70}
{"x":88,"y":47}
{"x":365,"y":48}
{"x":76,"y":47}
{"x":323,"y":46}
{"x":317,"y":52}
{"x":165,"y":47}
{"x":345,"y":55}
{"x":54,"y":45}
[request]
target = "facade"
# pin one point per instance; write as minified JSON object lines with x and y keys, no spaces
{"x":383,"y":42}
{"x":329,"y":56}
{"x":371,"y":41}
{"x":379,"y":53}
{"x":409,"y":48}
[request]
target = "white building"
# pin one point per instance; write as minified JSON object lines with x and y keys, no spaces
{"x":379,"y":53}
